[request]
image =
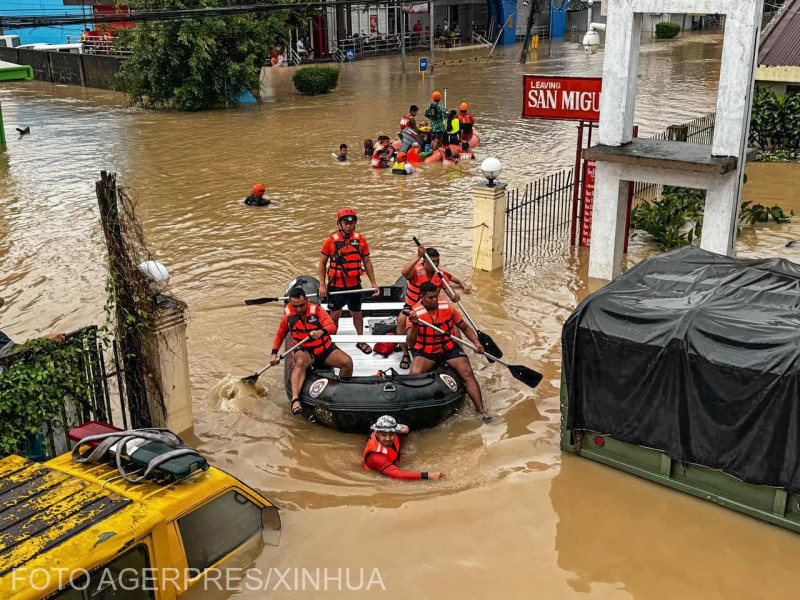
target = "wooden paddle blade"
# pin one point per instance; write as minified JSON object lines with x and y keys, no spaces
{"x":489,"y":345}
{"x":526,"y":375}
{"x":253,"y":301}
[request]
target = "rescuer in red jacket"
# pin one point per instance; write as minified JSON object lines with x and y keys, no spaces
{"x":383,"y":451}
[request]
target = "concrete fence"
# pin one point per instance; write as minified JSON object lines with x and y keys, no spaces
{"x":72,"y":69}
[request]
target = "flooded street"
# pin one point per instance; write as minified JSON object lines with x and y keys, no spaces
{"x":515,"y":518}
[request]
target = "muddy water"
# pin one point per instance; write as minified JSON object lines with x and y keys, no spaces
{"x":514,"y":518}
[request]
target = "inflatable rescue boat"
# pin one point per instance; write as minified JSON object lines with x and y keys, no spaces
{"x":474,"y":141}
{"x":378,"y":385}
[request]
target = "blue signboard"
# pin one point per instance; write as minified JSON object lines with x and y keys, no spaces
{"x":350,"y":55}
{"x":423,"y":64}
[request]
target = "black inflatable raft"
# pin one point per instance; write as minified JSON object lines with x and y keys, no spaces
{"x":378,"y":386}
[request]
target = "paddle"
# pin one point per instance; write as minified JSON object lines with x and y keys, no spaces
{"x":484,"y":338}
{"x":524,"y":374}
{"x":254,"y":301}
{"x":254,"y":377}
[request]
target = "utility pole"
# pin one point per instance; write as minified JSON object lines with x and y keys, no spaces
{"x":535,"y":8}
{"x":403,"y":37}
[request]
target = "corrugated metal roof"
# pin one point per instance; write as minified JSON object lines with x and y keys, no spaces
{"x":781,"y":45}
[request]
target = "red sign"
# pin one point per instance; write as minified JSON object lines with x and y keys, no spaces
{"x":373,"y":22}
{"x":565,"y":98}
{"x":588,"y":201}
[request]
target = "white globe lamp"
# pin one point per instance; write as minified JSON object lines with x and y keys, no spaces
{"x":491,"y":168}
{"x":157,"y":273}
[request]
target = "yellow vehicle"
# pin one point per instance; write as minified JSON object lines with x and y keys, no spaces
{"x":76,"y":531}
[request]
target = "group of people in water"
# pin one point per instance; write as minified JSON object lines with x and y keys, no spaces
{"x":344,"y":258}
{"x":448,"y":133}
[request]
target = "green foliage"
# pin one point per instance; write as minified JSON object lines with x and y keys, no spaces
{"x":311,"y":81}
{"x":676,"y":219}
{"x":775,"y":123}
{"x":34,"y":387}
{"x":758,"y":213}
{"x":667,"y":218}
{"x":197,"y":64}
{"x":666,"y":30}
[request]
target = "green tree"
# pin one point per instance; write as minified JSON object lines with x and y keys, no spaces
{"x":198,"y":64}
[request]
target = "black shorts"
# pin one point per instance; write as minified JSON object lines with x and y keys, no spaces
{"x":353,"y":301}
{"x":319,"y":359}
{"x":442,"y":357}
{"x":438,"y":135}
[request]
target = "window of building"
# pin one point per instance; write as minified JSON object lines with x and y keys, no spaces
{"x":217,"y":528}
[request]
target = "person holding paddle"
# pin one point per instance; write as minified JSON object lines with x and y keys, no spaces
{"x":417,"y":271}
{"x":434,"y":347}
{"x":347,"y":252}
{"x":305,"y":320}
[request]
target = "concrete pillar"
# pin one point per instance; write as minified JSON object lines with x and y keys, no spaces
{"x":489,"y":218}
{"x":608,"y":223}
{"x":721,"y":214}
{"x":165,"y":348}
{"x":618,"y":100}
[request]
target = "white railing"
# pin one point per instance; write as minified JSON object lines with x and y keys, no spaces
{"x":477,"y":38}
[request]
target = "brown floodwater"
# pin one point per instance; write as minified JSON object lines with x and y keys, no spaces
{"x":515,"y":518}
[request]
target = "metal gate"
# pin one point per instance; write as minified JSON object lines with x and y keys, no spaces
{"x":541,"y":210}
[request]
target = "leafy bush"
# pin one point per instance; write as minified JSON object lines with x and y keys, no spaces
{"x":758,"y":213}
{"x":311,"y":81}
{"x":667,"y":218}
{"x":666,"y":30}
{"x":676,"y":219}
{"x":775,"y":122}
{"x":33,"y":389}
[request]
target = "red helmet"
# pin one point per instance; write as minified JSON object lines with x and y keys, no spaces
{"x":259,"y":189}
{"x":436,"y":96}
{"x":464,"y":106}
{"x":346,"y":212}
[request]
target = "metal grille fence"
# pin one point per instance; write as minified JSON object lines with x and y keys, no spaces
{"x":697,"y":131}
{"x":541,"y":210}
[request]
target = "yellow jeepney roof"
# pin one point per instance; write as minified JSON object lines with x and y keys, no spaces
{"x":62,"y":514}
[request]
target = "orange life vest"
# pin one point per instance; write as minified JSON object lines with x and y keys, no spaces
{"x":375,"y":447}
{"x":404,"y":122}
{"x":428,"y":340}
{"x":466,"y":155}
{"x":467,"y":121}
{"x":301,"y":325}
{"x":346,"y":261}
{"x":419,"y":277}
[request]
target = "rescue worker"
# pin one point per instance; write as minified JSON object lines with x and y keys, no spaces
{"x":345,"y":256}
{"x":306,"y":320}
{"x":383,"y":451}
{"x":256,"y":197}
{"x":417,"y":271}
{"x":401,"y":167}
{"x":466,"y":153}
{"x":413,"y":155}
{"x":448,"y":157}
{"x":453,"y":135}
{"x":412,"y":114}
{"x":438,"y":115}
{"x":467,"y":122}
{"x":432,"y":348}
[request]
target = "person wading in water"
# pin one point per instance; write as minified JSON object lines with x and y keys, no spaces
{"x":431,"y":348}
{"x":383,"y":451}
{"x":347,"y":252}
{"x":256,"y":197}
{"x":303,"y":319}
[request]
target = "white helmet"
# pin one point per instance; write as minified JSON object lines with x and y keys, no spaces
{"x":387,"y":424}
